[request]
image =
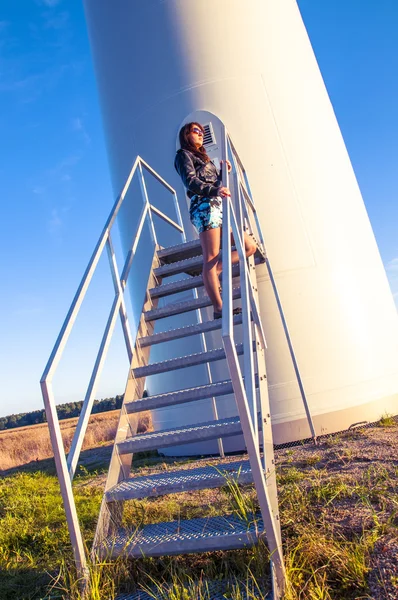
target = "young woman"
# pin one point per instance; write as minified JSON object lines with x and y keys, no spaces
{"x":204,"y":187}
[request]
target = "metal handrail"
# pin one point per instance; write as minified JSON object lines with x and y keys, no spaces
{"x":245,"y":393}
{"x":249,"y":207}
{"x":66,"y":468}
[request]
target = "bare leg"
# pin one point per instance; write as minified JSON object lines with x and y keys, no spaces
{"x":210,"y":242}
{"x":250,"y":248}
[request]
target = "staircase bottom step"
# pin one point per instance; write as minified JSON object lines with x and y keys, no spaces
{"x":228,"y":532}
{"x":210,"y":590}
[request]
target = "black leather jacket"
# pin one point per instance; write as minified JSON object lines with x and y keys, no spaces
{"x":198,"y":176}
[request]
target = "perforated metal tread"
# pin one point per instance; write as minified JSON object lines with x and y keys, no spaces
{"x":190,"y":249}
{"x":180,"y":252}
{"x":183,"y":361}
{"x":220,"y":388}
{"x":181,"y":307}
{"x":228,"y":532}
{"x":182,"y":285}
{"x":212,"y":590}
{"x":191,"y":266}
{"x":183,"y":435}
{"x":184,"y":480}
{"x":189,"y":283}
{"x":182,"y":332}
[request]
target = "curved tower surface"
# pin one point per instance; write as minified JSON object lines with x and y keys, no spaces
{"x":251,"y":66}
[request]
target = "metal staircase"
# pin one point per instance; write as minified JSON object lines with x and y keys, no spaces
{"x":247,"y":381}
{"x":202,"y":534}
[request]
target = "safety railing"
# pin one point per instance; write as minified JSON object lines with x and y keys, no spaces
{"x":247,"y":219}
{"x":66,"y":467}
{"x":244,"y":382}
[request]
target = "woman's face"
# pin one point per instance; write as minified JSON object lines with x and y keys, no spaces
{"x":196,"y":136}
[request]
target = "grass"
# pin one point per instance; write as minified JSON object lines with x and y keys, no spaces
{"x":387,"y":420}
{"x":37,"y":445}
{"x":334,"y":508}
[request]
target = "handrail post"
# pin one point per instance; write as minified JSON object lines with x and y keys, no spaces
{"x":65,"y":482}
{"x":239,"y":236}
{"x":271,"y":525}
{"x":247,"y":328}
{"x":241,"y":390}
{"x":179,"y":218}
{"x":227,"y":329}
{"x":146,"y":200}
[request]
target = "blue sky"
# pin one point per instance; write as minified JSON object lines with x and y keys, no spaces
{"x":56,"y":191}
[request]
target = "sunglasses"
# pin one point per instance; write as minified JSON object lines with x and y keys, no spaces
{"x":196,"y":130}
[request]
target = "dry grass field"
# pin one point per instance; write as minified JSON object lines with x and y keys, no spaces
{"x":25,"y":445}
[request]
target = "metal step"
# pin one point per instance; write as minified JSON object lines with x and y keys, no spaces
{"x":192,"y":266}
{"x":211,"y":390}
{"x":180,"y":252}
{"x":220,"y":388}
{"x":183,"y":435}
{"x":242,"y":588}
{"x":190,"y":282}
{"x":182,"y":285}
{"x":182,"y":362}
{"x":189,"y":250}
{"x":175,"y":287}
{"x":228,"y":532}
{"x":181,"y":307}
{"x":182,"y":332}
{"x":184,"y":480}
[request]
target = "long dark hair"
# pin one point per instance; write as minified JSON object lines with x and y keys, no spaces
{"x":186,"y":144}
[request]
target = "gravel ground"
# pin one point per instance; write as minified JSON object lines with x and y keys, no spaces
{"x":383,"y":578}
{"x":351,"y":456}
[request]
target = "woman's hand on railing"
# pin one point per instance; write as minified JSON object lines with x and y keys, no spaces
{"x":224,"y":191}
{"x":229,"y":166}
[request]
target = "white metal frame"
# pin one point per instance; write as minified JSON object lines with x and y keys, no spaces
{"x":66,"y":467}
{"x":247,"y":206}
{"x":264,"y":476}
{"x":244,"y":383}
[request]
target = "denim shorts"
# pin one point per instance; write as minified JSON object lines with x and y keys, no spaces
{"x":205,"y":213}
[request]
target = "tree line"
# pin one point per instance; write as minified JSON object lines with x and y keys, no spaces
{"x":65,"y":411}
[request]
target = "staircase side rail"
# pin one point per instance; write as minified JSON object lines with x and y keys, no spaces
{"x":65,"y":469}
{"x":117,"y":306}
{"x":245,"y":188}
{"x":238,"y":233}
{"x":172,"y":190}
{"x":251,"y":440}
{"x":250,"y":209}
{"x":85,"y":282}
{"x":165,"y":218}
{"x":89,"y":272}
{"x":247,"y":295}
{"x":250,"y":214}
